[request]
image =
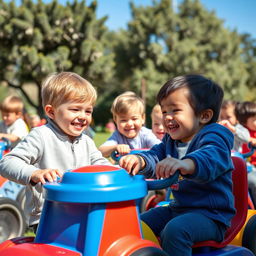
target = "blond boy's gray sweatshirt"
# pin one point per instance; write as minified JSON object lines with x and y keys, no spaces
{"x":46,"y":147}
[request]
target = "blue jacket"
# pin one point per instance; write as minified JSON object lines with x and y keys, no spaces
{"x":209,"y":189}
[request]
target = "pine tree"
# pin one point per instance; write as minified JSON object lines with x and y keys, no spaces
{"x":161,"y":43}
{"x":37,"y":39}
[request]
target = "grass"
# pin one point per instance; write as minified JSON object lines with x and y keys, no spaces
{"x":101,"y":137}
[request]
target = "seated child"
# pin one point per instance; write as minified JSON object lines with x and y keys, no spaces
{"x":199,"y":148}
{"x":248,"y":119}
{"x":13,"y":127}
{"x":228,"y":118}
{"x":246,"y":114}
{"x":157,"y":122}
{"x":35,"y":120}
{"x":129,"y":115}
{"x":59,"y":145}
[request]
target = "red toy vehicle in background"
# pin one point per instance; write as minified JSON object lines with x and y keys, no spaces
{"x":12,"y":196}
{"x":93,"y":211}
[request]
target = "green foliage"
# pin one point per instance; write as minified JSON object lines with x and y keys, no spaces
{"x":37,"y":39}
{"x":159,"y":43}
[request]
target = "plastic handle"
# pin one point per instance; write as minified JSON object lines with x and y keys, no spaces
{"x":251,"y":152}
{"x":164,"y":183}
{"x":115,"y":156}
{"x":7,"y":143}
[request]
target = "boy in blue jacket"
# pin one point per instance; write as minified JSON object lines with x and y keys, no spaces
{"x":199,"y":148}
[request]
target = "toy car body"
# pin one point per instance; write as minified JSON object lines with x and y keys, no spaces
{"x":93,"y":211}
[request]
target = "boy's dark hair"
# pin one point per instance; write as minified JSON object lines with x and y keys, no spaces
{"x":245,"y":110}
{"x":204,"y":93}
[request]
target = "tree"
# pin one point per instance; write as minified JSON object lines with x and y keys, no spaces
{"x":249,"y":57}
{"x":161,"y":43}
{"x":37,"y":39}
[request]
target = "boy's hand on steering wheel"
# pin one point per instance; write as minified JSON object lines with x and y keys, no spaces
{"x":132,"y":163}
{"x":45,"y":175}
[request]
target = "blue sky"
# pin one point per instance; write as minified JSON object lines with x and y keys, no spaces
{"x":237,"y":14}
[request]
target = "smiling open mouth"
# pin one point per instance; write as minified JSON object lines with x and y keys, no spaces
{"x":173,"y":127}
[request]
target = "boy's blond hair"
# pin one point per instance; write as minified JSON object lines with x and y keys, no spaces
{"x":59,"y":88}
{"x":125,"y":102}
{"x":156,"y":110}
{"x":12,"y":104}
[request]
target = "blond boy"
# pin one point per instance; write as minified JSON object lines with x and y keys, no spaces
{"x":58,"y":146}
{"x":128,"y":112}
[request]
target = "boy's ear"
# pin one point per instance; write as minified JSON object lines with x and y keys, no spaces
{"x":49,"y":111}
{"x":206,"y":116}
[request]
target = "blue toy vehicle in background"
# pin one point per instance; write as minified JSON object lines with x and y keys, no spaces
{"x":12,"y":197}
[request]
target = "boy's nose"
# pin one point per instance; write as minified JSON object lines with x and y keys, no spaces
{"x":169,"y":116}
{"x":129,"y":122}
{"x":82,"y":115}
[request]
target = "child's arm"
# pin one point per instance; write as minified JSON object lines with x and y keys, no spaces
{"x":45,"y":175}
{"x":170,"y":165}
{"x":10,"y":137}
{"x":120,"y":148}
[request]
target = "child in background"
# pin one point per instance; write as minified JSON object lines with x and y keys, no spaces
{"x":35,"y":120}
{"x":157,"y":122}
{"x":246,"y":114}
{"x":228,"y":118}
{"x":231,"y":115}
{"x":158,"y":130}
{"x":58,"y":146}
{"x":13,"y":127}
{"x":129,"y":116}
{"x":248,"y":119}
{"x":199,"y":148}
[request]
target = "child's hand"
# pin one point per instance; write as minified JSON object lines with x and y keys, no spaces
{"x":253,"y":141}
{"x":228,"y":125}
{"x":123,"y":149}
{"x":169,"y":166}
{"x":132,"y":163}
{"x":45,"y":175}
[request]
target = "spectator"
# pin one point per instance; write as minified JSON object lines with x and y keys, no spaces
{"x":12,"y":126}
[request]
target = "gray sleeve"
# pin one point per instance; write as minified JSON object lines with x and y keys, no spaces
{"x":20,"y":163}
{"x":242,"y":134}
